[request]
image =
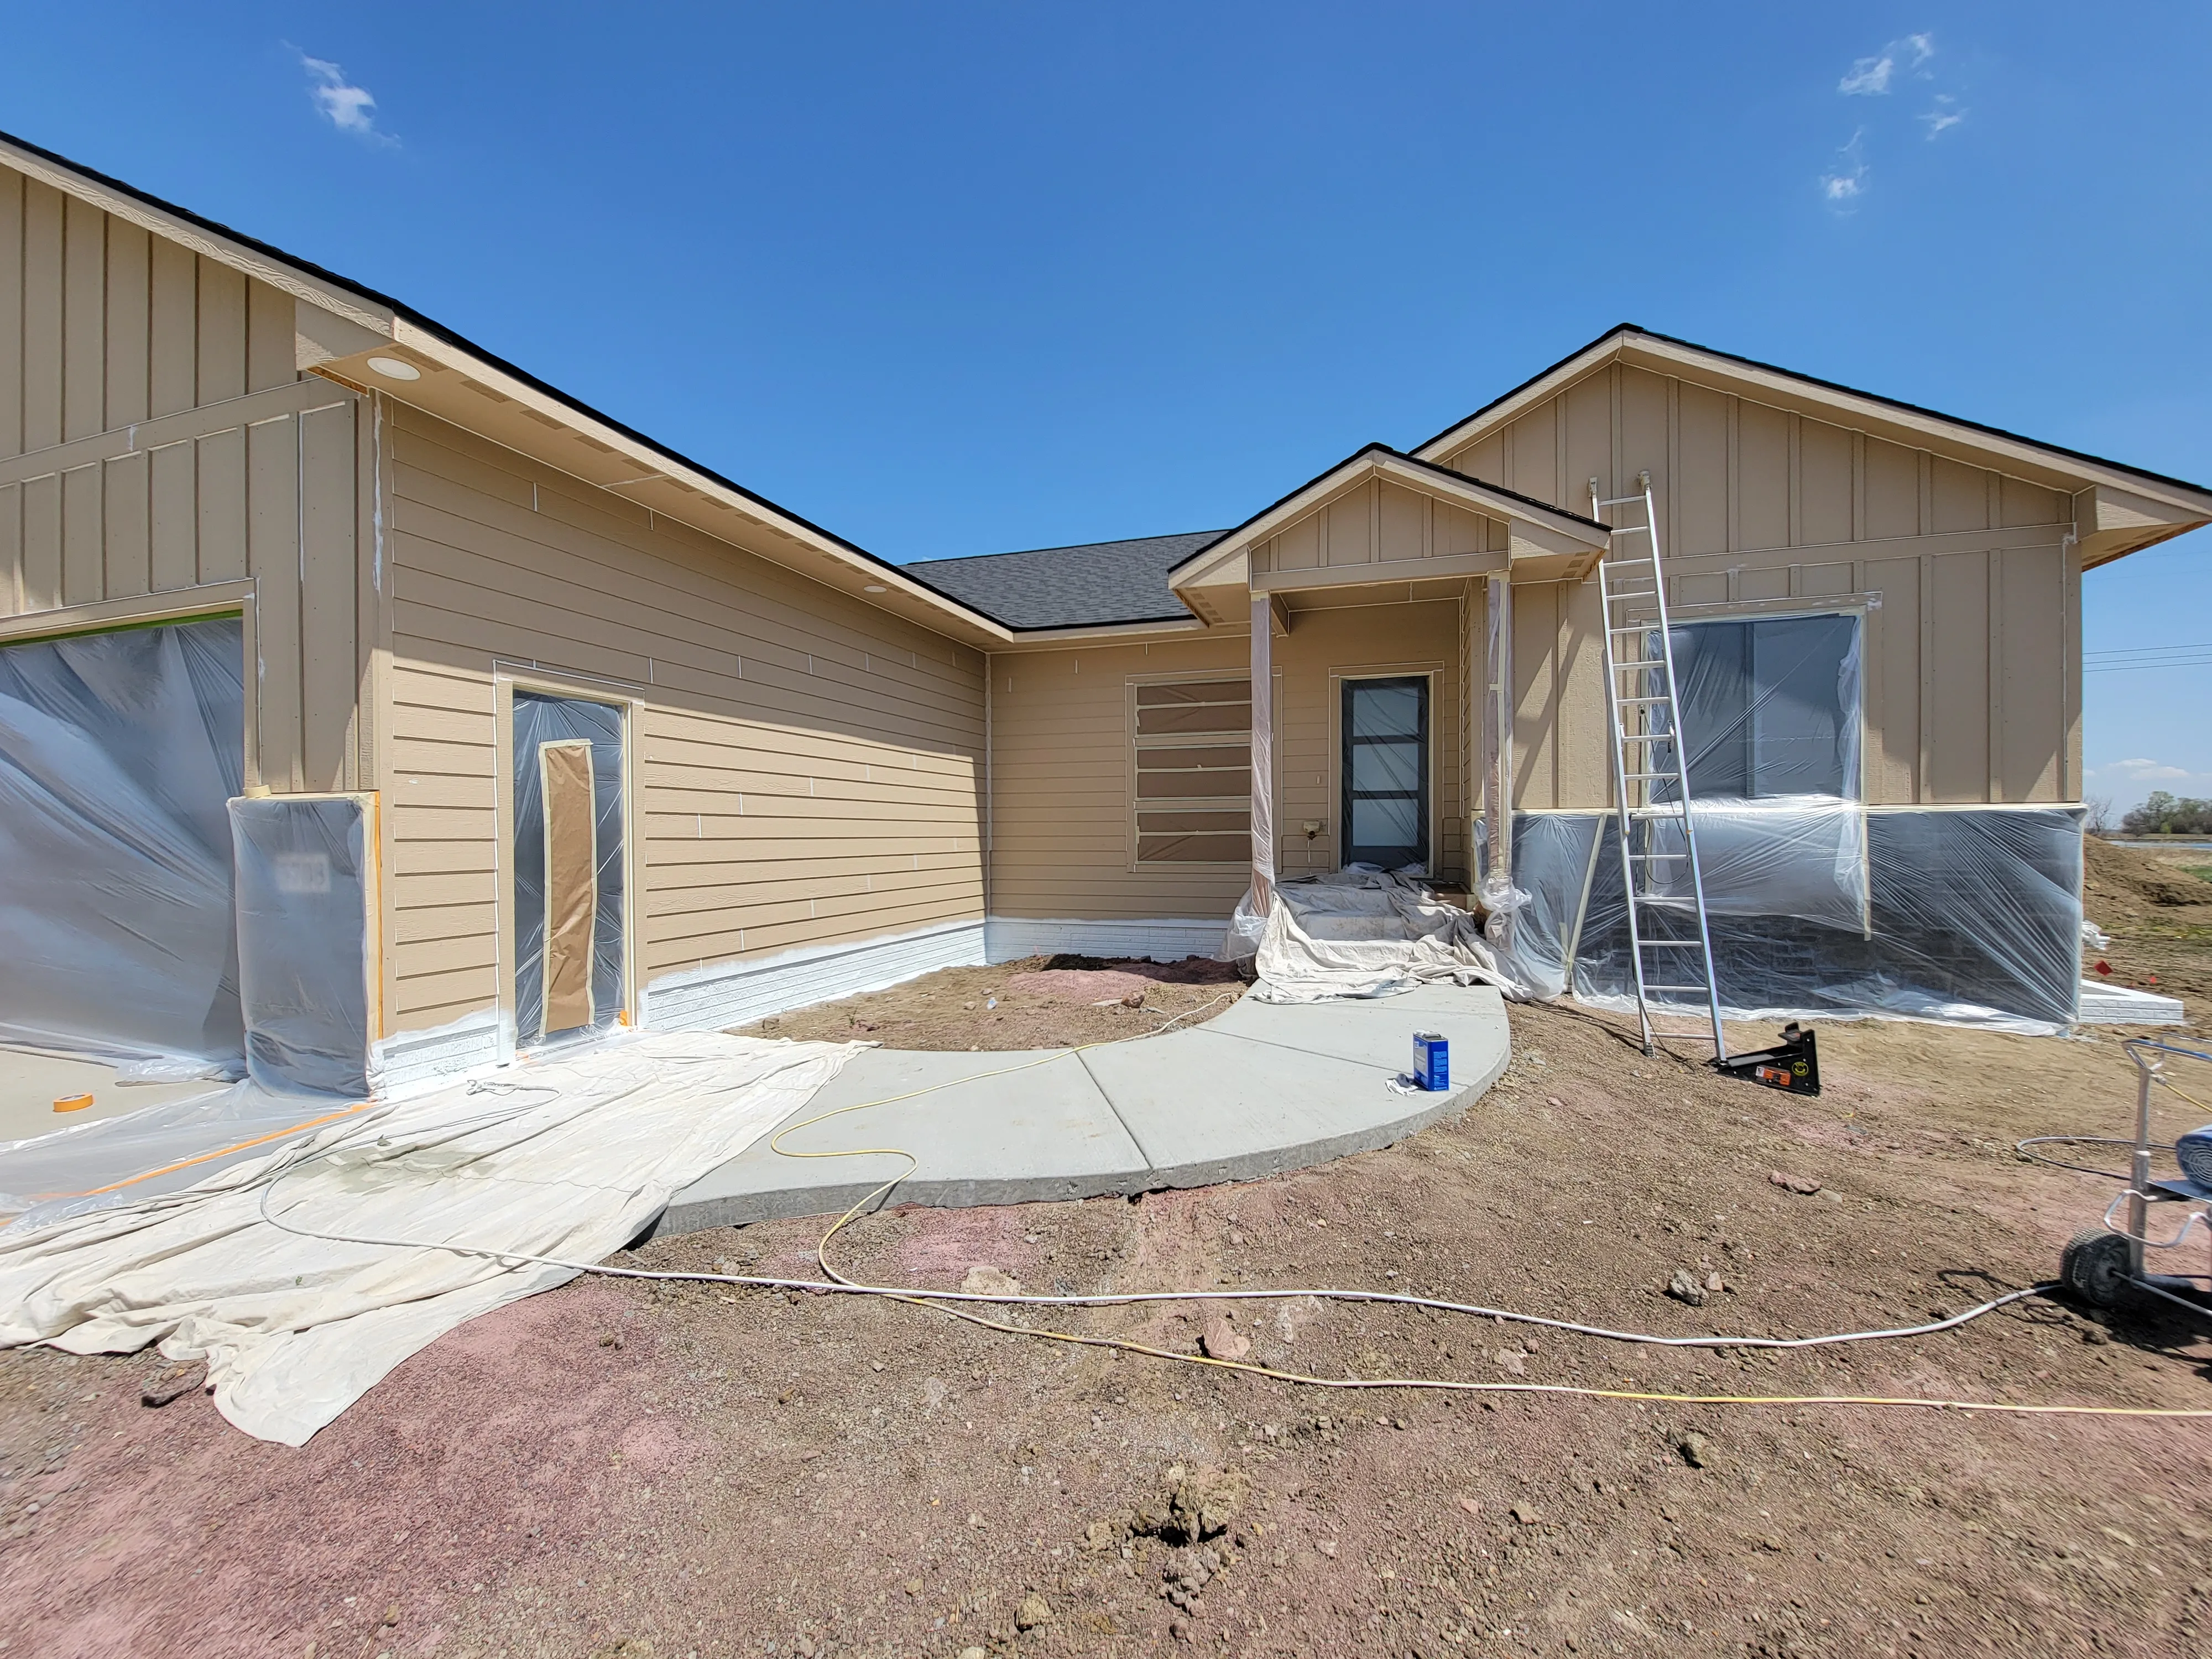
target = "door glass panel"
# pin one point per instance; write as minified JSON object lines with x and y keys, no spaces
{"x":1384,"y":823}
{"x":1389,"y":710}
{"x":1387,"y":766}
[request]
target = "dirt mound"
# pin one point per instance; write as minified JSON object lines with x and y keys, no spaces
{"x":2135,"y":878}
{"x":1037,"y":1002}
{"x":1081,"y":985}
{"x":1190,"y":970}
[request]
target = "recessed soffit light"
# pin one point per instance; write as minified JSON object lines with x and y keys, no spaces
{"x":395,"y":369}
{"x":876,"y":587}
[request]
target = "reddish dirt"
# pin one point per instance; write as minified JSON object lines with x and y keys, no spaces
{"x":2156,"y":903}
{"x":756,"y":1473}
{"x":1039,"y":1002}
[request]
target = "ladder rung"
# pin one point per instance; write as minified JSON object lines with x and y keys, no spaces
{"x":1620,"y":500}
{"x":1694,"y":990}
{"x":1670,"y":944}
{"x":1658,"y":855}
{"x":1646,"y":777}
{"x":1625,"y":701}
{"x":1654,"y":662}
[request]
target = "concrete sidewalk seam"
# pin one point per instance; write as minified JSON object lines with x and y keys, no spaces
{"x":1151,"y":1164}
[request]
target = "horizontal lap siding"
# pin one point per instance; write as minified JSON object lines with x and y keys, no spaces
{"x":155,"y":437}
{"x":1972,"y":689}
{"x":1062,"y":747}
{"x":806,"y":767}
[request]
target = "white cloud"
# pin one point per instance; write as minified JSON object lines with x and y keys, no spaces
{"x":2142,"y":771}
{"x":348,"y":108}
{"x":1847,"y":182}
{"x":1869,"y":77}
{"x":1944,"y":115}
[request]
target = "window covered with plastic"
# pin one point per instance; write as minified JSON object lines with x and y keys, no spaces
{"x":118,"y":753}
{"x":569,"y":864}
{"x":1815,"y":904}
{"x":1770,"y":706}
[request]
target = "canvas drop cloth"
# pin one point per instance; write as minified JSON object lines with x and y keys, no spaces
{"x":570,"y":1158}
{"x":1359,"y":933}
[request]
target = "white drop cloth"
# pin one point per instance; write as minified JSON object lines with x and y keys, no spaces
{"x":570,"y":1157}
{"x":1363,"y":933}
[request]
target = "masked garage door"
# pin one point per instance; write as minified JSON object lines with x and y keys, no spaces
{"x":118,"y":752}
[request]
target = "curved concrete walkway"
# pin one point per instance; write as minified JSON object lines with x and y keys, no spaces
{"x":1259,"y":1090}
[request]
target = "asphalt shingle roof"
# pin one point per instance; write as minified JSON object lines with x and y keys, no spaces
{"x":1070,"y":586}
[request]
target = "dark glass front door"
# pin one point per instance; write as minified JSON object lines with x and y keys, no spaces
{"x":1385,"y":814}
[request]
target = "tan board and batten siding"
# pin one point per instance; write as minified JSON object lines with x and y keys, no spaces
{"x":1063,"y":744}
{"x":807,"y":768}
{"x":1968,"y":577}
{"x":160,"y":453}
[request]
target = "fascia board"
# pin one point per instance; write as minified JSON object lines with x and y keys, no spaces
{"x":110,"y":197}
{"x":652,"y":464}
{"x":1046,"y":639}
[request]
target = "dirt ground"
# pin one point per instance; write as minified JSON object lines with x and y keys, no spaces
{"x":612,"y":1469}
{"x":2156,"y":902}
{"x":1039,"y":1002}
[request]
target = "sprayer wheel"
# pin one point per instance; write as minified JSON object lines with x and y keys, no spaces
{"x":2096,"y":1266}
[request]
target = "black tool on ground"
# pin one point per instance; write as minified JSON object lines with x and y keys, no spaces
{"x":1791,"y":1064}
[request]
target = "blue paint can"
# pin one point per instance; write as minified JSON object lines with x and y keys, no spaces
{"x":1432,"y":1060}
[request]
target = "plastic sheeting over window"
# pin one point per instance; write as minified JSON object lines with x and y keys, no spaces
{"x":304,"y":893}
{"x":1970,"y":916}
{"x":118,"y":753}
{"x":567,"y":863}
{"x":1770,"y":706}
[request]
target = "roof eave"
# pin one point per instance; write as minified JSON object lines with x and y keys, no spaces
{"x":393,"y":320}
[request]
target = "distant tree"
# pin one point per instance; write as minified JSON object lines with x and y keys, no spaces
{"x":2097,"y":820}
{"x":2168,"y":815}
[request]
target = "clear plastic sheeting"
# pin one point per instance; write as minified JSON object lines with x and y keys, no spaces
{"x":1770,"y":706}
{"x":572,"y":1159}
{"x":304,"y":897}
{"x":113,"y":1162}
{"x":1968,"y":916}
{"x":1804,"y":856}
{"x":541,"y":723}
{"x":1362,"y":932}
{"x":117,"y":753}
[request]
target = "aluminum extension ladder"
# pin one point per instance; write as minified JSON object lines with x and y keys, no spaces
{"x":1669,"y":941}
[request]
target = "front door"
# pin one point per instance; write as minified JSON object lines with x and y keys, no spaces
{"x":570,"y":973}
{"x":1386,"y":772}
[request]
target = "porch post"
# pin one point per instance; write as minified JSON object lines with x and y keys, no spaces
{"x":1498,"y":730}
{"x":1263,"y":754}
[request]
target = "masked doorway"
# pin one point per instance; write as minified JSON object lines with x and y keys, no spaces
{"x":571,"y":972}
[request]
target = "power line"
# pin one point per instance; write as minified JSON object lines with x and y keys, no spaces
{"x":2148,"y":656}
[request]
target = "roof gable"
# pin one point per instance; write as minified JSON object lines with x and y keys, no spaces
{"x":2051,"y":465}
{"x":1541,"y":525}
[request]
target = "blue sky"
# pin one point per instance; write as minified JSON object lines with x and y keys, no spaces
{"x":955,"y":278}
